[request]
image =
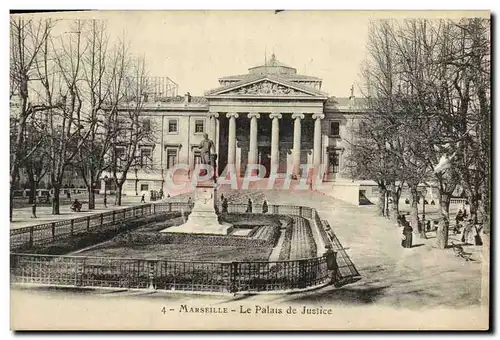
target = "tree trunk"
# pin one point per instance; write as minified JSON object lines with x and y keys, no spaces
{"x":55,"y":200}
{"x":414,"y":209}
{"x":91,"y":193}
{"x":381,"y":201}
{"x":442,"y":231}
{"x":395,"y":205}
{"x":484,"y":207}
{"x":32,"y":182}
{"x":118,"y":197}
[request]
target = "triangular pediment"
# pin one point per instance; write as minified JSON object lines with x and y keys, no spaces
{"x":265,"y":87}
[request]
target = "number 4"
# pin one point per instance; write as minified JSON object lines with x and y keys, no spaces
{"x":163,"y":310}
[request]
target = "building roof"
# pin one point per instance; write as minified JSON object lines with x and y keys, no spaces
{"x":180,"y":100}
{"x":290,"y":77}
{"x":256,"y":77}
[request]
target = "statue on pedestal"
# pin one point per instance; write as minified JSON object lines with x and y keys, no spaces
{"x":206,"y":155}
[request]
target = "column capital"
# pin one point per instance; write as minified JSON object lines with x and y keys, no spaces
{"x":253,"y":114}
{"x":275,"y":115}
{"x":232,"y":114}
{"x":213,"y":114}
{"x":298,"y":115}
{"x":318,"y":116}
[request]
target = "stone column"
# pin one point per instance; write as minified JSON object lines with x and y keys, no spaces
{"x":231,"y":156}
{"x":252,"y":150}
{"x":275,"y":140}
{"x":317,"y":139}
{"x":212,"y":116}
{"x":297,"y":134}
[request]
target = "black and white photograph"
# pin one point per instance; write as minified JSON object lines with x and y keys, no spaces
{"x":250,"y":170}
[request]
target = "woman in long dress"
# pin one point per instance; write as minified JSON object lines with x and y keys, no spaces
{"x":407,"y":235}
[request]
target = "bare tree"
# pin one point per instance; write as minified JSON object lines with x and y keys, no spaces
{"x":132,"y":129}
{"x":103,"y":73}
{"x":60,"y":72}
{"x":27,"y":38}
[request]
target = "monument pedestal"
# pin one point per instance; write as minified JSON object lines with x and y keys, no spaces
{"x":203,"y":218}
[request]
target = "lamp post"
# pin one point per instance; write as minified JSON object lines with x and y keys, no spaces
{"x":424,"y":194}
{"x":105,"y":191}
{"x":136,"y":180}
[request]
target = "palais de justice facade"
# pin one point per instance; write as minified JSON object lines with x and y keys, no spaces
{"x":270,"y":116}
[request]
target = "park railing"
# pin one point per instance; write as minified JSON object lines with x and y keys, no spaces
{"x":178,"y":275}
{"x":27,"y":237}
{"x":230,"y":277}
{"x":458,"y":201}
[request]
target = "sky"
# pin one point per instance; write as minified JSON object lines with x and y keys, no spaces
{"x":195,"y":48}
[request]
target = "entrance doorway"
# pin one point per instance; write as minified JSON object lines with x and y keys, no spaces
{"x":265,"y":158}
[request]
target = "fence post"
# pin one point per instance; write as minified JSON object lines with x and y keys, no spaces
{"x":53,"y":227}
{"x":32,"y":230}
{"x":72,"y":223}
{"x":153,"y":209}
{"x":113,"y":216}
{"x":300,"y":211}
{"x":233,"y":286}
{"x":80,"y":271}
{"x":142,"y":211}
{"x":88,"y":223}
{"x":152,"y":274}
{"x":302,"y":274}
{"x":102,"y":219}
{"x":169,"y":206}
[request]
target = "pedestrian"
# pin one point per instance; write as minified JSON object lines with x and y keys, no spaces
{"x":407,"y":236}
{"x":68,"y":194}
{"x":249,"y":206}
{"x":161,"y":193}
{"x":143,"y":198}
{"x":105,"y":202}
{"x":265,"y":208}
{"x":76,"y":206}
{"x":467,"y":233}
{"x":224,"y":205}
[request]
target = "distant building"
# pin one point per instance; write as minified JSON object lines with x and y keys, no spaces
{"x":270,"y":116}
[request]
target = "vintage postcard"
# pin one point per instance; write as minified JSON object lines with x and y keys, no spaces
{"x":250,"y":170}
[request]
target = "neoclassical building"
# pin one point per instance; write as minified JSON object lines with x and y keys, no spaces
{"x":271,"y":116}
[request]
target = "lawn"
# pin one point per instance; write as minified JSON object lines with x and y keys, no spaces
{"x":184,"y":252}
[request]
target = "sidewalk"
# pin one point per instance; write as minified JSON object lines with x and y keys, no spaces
{"x":22,"y":216}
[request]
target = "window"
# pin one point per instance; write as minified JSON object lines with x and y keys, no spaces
{"x":146,"y":124}
{"x":171,"y":158}
{"x":146,"y":157}
{"x":199,"y":126}
{"x":334,"y":129}
{"x":144,"y":187}
{"x":172,"y":126}
{"x":334,"y":161}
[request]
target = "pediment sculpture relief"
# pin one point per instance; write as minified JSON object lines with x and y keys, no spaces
{"x":266,"y":88}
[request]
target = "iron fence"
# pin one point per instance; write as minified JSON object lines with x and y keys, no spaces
{"x":27,"y":237}
{"x":232,"y":277}
{"x":172,"y":275}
